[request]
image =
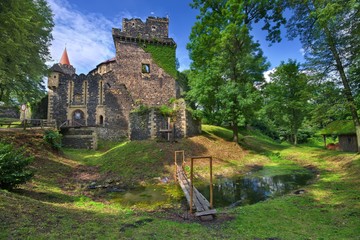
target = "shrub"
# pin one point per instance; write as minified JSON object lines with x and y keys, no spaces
{"x":14,"y":168}
{"x":53,"y":138}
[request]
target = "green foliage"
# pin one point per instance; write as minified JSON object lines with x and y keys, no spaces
{"x":141,"y":109}
{"x":329,"y":31}
{"x":25,"y":30}
{"x":164,"y":56}
{"x":13,"y":167}
{"x":53,"y":138}
{"x":328,"y":104}
{"x":39,"y":109}
{"x":196,"y":114}
{"x":287,"y":97}
{"x":167,"y":111}
{"x":227,"y":63}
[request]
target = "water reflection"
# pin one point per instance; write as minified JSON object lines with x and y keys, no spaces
{"x":252,"y":189}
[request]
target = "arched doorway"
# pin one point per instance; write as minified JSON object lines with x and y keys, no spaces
{"x":78,"y":118}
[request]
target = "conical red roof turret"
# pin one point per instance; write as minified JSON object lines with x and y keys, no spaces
{"x":64,"y":58}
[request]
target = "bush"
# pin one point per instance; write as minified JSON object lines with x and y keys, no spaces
{"x":53,"y":138}
{"x":13,"y":167}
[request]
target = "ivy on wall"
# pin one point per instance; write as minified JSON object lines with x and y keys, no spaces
{"x":164,"y":56}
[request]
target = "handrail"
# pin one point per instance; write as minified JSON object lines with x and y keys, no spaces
{"x":183,"y":161}
{"x":71,"y":123}
{"x":27,"y":123}
{"x":182,"y":152}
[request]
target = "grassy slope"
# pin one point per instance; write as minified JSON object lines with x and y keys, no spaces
{"x":52,"y":206}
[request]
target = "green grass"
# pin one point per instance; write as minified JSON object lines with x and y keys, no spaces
{"x":330,"y":208}
{"x":14,"y":122}
{"x":127,"y":159}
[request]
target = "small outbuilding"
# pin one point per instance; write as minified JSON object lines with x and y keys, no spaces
{"x":345,"y":130}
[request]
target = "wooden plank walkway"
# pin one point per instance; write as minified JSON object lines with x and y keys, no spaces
{"x":199,"y":203}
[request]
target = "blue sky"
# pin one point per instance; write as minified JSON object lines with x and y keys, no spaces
{"x":85,"y":28}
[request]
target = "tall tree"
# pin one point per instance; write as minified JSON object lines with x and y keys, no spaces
{"x":287,"y":97}
{"x":25,"y":33}
{"x":330,"y":33}
{"x":227,"y":64}
{"x":327,"y":104}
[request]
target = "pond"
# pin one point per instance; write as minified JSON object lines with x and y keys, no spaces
{"x":228,"y":192}
{"x":142,"y":196}
{"x":253,"y":188}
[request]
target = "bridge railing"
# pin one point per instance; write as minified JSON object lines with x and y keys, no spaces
{"x":182,"y":154}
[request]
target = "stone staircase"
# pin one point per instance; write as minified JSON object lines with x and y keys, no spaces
{"x":79,"y":137}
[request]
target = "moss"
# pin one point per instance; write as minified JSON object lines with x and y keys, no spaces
{"x":164,"y":56}
{"x":142,"y":109}
{"x":339,"y":127}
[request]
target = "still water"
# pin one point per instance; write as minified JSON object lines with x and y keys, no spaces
{"x":228,"y":192}
{"x":253,"y":188}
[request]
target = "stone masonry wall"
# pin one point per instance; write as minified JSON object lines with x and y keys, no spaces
{"x":139,"y":126}
{"x":153,"y":89}
{"x":152,"y":28}
{"x":148,"y":125}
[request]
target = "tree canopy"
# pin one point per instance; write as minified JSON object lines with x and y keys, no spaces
{"x":330,"y":32}
{"x":25,"y":33}
{"x":227,"y":64}
{"x":286,"y":98}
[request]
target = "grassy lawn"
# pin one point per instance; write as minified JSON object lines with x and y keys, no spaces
{"x":57,"y":205}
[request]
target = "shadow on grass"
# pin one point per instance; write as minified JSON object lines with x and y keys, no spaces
{"x":23,"y":218}
{"x":50,"y":197}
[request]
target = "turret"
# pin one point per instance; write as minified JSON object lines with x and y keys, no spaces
{"x":63,"y":67}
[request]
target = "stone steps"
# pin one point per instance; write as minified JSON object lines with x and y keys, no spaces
{"x":79,"y":137}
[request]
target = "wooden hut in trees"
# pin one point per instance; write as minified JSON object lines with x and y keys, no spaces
{"x":345,"y":130}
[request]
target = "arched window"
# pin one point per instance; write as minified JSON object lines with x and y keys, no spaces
{"x":101,"y":93}
{"x":70,"y":92}
{"x":101,"y":120}
{"x":85,"y":88}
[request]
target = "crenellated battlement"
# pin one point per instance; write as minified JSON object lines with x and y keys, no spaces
{"x":152,"y":28}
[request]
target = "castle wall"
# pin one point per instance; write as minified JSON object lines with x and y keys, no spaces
{"x":154,"y":88}
{"x":152,"y":28}
{"x":106,"y":96}
{"x":152,"y":124}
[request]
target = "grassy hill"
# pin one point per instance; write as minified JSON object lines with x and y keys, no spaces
{"x":58,"y":204}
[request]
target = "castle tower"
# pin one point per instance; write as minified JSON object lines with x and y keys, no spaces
{"x":146,"y":59}
{"x":57,"y":70}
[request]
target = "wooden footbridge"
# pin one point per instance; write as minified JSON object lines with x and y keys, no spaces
{"x":196,"y":200}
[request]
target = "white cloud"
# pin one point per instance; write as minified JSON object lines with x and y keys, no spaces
{"x":87,"y":37}
{"x":267,"y":74}
{"x":302,"y":51}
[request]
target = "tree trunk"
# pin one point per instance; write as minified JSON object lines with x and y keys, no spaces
{"x":235,"y":132}
{"x":345,"y":82}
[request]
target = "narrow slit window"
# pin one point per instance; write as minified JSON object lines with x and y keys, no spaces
{"x":145,"y":68}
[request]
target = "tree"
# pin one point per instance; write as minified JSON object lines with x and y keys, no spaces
{"x":287,"y":97}
{"x":227,"y":64}
{"x":14,"y":167}
{"x":327,"y":104}
{"x":330,"y":33}
{"x":25,"y":33}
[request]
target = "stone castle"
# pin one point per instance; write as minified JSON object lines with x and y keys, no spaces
{"x":122,"y":96}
